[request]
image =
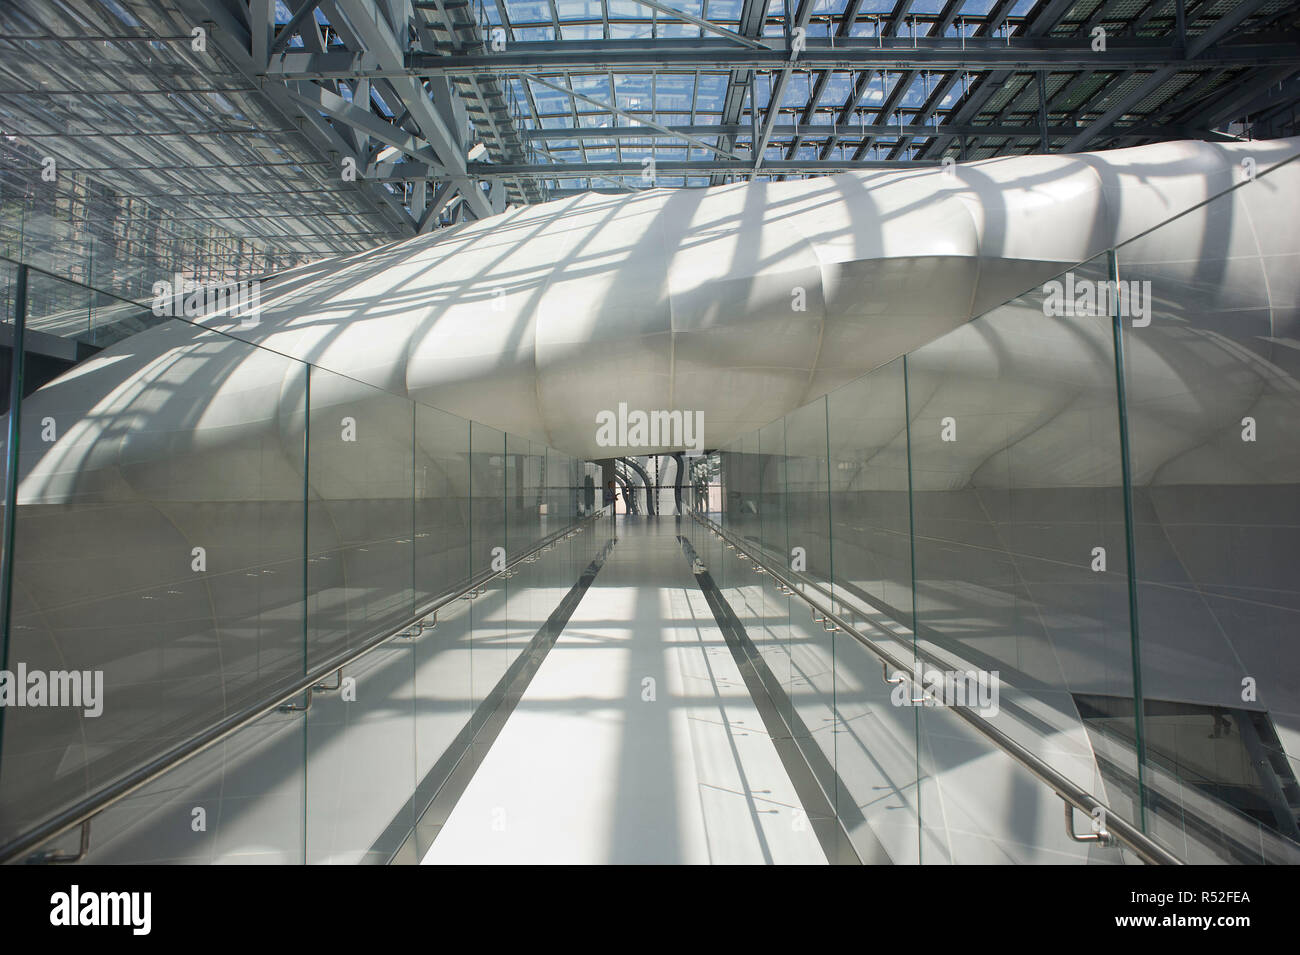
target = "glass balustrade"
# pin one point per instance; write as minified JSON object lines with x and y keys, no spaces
{"x":1076,"y":516}
{"x":202,"y":524}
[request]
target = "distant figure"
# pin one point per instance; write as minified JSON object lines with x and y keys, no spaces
{"x":611,"y":495}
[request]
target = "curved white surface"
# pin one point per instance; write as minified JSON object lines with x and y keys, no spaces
{"x":535,"y":320}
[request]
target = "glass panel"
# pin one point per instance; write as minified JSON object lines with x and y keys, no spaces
{"x":1020,"y":562}
{"x":875,"y":750}
{"x":489,"y":542}
{"x":442,"y":564}
{"x":523,"y":493}
{"x":243,"y":555}
{"x":524,"y":528}
{"x":870,"y":503}
{"x":773,"y":636}
{"x":360,"y":553}
{"x":75,"y":227}
{"x":442,"y":503}
{"x":360,"y":568}
{"x":158,"y":553}
{"x":560,"y":492}
{"x":1212,"y":387}
{"x":360,"y":758}
{"x":743,"y":590}
{"x":240,"y":802}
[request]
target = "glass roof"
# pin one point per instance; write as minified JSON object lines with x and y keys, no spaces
{"x":709,"y":85}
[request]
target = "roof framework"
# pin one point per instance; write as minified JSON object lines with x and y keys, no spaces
{"x":451,"y":109}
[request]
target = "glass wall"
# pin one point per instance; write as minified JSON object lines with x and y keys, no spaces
{"x":203,"y":528}
{"x":84,"y":230}
{"x":866,"y":565}
{"x":1212,"y":390}
{"x":1076,"y":517}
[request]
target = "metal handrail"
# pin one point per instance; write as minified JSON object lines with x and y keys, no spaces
{"x":1115,"y":828}
{"x":82,"y":812}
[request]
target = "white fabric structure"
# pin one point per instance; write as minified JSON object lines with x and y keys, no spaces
{"x":741,"y":302}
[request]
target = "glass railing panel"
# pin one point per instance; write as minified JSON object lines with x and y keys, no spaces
{"x":743,"y":487}
{"x":442,"y":564}
{"x":361,"y":560}
{"x":875,"y":749}
{"x":524,"y":462}
{"x":743,"y":591}
{"x":361,"y":749}
{"x":774,"y":636}
{"x":360,"y":484}
{"x":58,"y":308}
{"x":252,"y":541}
{"x":489,"y":542}
{"x":239,"y":803}
{"x":1021,"y":587}
{"x":158,"y":555}
{"x":560,"y":489}
{"x":1212,"y":392}
{"x":807,"y":495}
{"x":442,"y":503}
{"x":870,"y":505}
{"x":523,"y":474}
{"x":70,"y":322}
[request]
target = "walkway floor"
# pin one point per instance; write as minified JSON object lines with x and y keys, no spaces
{"x":637,"y":741}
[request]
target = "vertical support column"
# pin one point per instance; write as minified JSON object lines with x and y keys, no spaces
{"x":261,"y":27}
{"x":361,"y":139}
{"x":753,"y":117}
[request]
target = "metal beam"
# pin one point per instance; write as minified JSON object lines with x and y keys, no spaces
{"x":1047,"y":15}
{"x":308,"y":9}
{"x":740,"y":82}
{"x":261,"y":28}
{"x":1223,"y":26}
{"x":441,"y":196}
{"x":335,"y":106}
{"x":857,"y":53}
{"x":777,"y":91}
{"x":1200,"y":50}
{"x":1103,"y":122}
{"x":1043,"y":22}
{"x":383,"y":47}
{"x":693,"y":167}
{"x":852,"y":131}
{"x":887,"y":106}
{"x":232,"y":40}
{"x":1245,"y":98}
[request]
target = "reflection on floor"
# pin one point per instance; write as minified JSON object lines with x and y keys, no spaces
{"x":636,"y":741}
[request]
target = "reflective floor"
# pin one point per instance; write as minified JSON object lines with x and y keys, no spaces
{"x":636,"y":741}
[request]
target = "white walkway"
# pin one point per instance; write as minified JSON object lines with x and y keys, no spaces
{"x":636,"y":741}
